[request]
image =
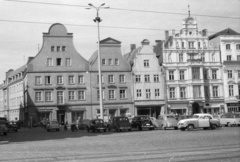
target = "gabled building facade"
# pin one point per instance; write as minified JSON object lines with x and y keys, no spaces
{"x":57,"y":83}
{"x":116,"y":80}
{"x":193,"y":71}
{"x":229,"y":43}
{"x":148,"y":81}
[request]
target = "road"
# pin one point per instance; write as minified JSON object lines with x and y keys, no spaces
{"x":221,"y":145}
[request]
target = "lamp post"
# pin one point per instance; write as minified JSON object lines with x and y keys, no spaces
{"x":98,"y":20}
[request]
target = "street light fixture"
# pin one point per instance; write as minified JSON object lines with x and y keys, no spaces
{"x":98,"y":20}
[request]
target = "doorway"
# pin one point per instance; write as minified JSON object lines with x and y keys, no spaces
{"x":61,"y":116}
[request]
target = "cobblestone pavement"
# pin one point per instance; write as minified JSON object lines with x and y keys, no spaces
{"x":221,"y":145}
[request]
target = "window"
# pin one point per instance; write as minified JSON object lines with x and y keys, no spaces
{"x":63,"y":48}
{"x":228,"y":46}
{"x":238,"y":57}
{"x":205,"y":74}
{"x":182,"y":92}
{"x":180,"y":57}
{"x":206,"y":91}
{"x":230,"y":88}
{"x":52,"y":48}
{"x":122,"y":94}
{"x":183,"y":45}
{"x":47,"y":79}
{"x":111,"y":94}
{"x":214,"y":74}
{"x":171,"y":75}
{"x":110,"y":61}
{"x":172,"y":92}
{"x":238,"y":73}
{"x":49,"y":62}
{"x":156,"y":77}
{"x":101,"y":79}
{"x":203,"y":57}
{"x":48,"y":96}
{"x":146,"y":63}
{"x":191,"y":45}
{"x":169,"y":58}
{"x":213,"y":58}
{"x":58,"y":48}
{"x":181,"y":74}
{"x":147,"y":78}
{"x":196,"y":73}
{"x":122,"y":78}
{"x":98,"y":94}
{"x":81,"y":95}
{"x":71,"y":95}
{"x":110,"y":79}
{"x":229,"y":72}
{"x":215,"y":91}
{"x":71,"y":79}
{"x":196,"y":91}
{"x":59,"y":79}
{"x":237,"y":46}
{"x":80,"y":79}
{"x":60,"y":97}
{"x":138,"y":78}
{"x":157,"y":93}
{"x":68,"y":62}
{"x":199,"y":45}
{"x":116,"y":62}
{"x":38,"y":96}
{"x":148,"y":93}
{"x":104,"y":62}
{"x":229,"y":57}
{"x":38,"y":80}
{"x":59,"y":61}
{"x":139,"y":93}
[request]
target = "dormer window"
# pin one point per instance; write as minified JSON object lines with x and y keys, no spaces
{"x":146,"y":63}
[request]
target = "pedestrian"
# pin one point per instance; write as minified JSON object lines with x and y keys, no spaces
{"x":66,"y":125}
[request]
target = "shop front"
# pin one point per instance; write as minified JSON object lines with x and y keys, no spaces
{"x":233,"y":107}
{"x":178,"y":109}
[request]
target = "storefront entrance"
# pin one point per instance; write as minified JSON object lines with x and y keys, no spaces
{"x":61,"y":116}
{"x":150,"y":111}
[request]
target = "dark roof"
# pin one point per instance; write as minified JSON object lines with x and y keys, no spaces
{"x":227,"y":31}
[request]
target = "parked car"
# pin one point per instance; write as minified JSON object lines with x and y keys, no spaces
{"x":119,"y":123}
{"x":12,"y":126}
{"x":230,"y":119}
{"x":142,"y":121}
{"x":3,"y":127}
{"x":53,"y":125}
{"x":204,"y":121}
{"x":154,"y":122}
{"x":181,"y":117}
{"x":83,"y":123}
{"x":167,"y":121}
{"x":96,"y":125}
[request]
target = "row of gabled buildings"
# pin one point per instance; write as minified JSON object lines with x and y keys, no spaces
{"x":188,"y":72}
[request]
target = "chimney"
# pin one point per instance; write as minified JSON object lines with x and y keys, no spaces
{"x":204,"y":32}
{"x":30,"y":59}
{"x":132,"y":47}
{"x":166,"y":35}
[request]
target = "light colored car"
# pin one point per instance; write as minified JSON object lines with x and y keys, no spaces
{"x":204,"y":121}
{"x":167,"y":121}
{"x":230,"y":119}
{"x":53,"y":125}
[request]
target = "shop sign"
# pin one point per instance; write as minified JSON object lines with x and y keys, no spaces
{"x":45,"y":109}
{"x":233,"y":104}
{"x":78,"y":108}
{"x":113,"y":107}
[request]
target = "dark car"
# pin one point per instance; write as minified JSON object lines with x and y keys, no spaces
{"x":142,"y":121}
{"x":12,"y":126}
{"x":120,"y":123}
{"x":96,"y":125}
{"x":3,"y":127}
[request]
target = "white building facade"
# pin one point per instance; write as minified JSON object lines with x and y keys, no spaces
{"x":193,"y":71}
{"x":229,"y":43}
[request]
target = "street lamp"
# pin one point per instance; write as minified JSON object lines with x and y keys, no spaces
{"x":98,"y":20}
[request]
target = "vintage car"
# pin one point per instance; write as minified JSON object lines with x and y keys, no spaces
{"x":12,"y":126}
{"x":97,"y":125}
{"x":204,"y":121}
{"x":3,"y":127}
{"x":119,"y":123}
{"x":230,"y":119}
{"x":167,"y":121}
{"x":154,"y":122}
{"x":53,"y":125}
{"x":83,"y":123}
{"x":142,"y":121}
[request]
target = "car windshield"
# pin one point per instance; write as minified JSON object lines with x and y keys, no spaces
{"x":195,"y":116}
{"x":98,"y":121}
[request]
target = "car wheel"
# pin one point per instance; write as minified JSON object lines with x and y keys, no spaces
{"x":229,"y":124}
{"x":98,"y":130}
{"x":213,"y":126}
{"x":163,"y":127}
{"x":16,"y":130}
{"x":182,"y":129}
{"x":190,"y":127}
{"x":129,"y":129}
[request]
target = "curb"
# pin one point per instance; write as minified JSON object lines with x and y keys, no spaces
{"x":4,"y":142}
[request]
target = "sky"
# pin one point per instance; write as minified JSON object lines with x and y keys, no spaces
{"x":22,"y":23}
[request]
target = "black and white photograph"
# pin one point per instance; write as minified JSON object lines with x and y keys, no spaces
{"x":119,"y":80}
